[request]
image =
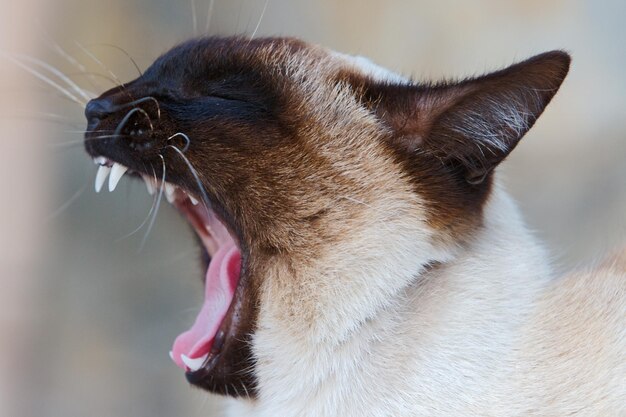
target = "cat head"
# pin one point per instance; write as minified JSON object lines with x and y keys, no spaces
{"x":319,"y":184}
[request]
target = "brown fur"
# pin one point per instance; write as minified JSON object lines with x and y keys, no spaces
{"x":296,"y":150}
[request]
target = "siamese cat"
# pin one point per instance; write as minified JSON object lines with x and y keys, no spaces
{"x":362,"y":258}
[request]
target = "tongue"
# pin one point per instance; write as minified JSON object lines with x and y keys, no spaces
{"x":221,"y":280}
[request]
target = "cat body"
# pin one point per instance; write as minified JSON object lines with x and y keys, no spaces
{"x":492,"y":332}
{"x":365,"y":259}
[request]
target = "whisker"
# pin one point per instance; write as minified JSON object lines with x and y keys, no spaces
{"x":139,"y":101}
{"x":46,"y":117}
{"x":194,"y":17}
{"x":79,"y":141}
{"x":154,"y":199}
{"x":209,"y":15}
{"x":67,"y":144}
{"x":187,"y":140}
{"x":122,"y":50}
{"x":84,"y":131}
{"x":205,"y":400}
{"x":67,"y":204}
{"x":91,"y":74}
{"x":45,"y":79}
{"x":69,"y":58}
{"x":120,"y":126}
{"x":239,"y":14}
{"x":59,"y":74}
{"x":205,"y":197}
{"x":104,"y":67}
{"x":158,"y":204}
{"x":260,"y":19}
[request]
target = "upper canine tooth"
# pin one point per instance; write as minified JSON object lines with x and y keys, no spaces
{"x":193,"y":364}
{"x":101,"y":176}
{"x":117,"y":172}
{"x":170,"y":189}
{"x":193,"y":200}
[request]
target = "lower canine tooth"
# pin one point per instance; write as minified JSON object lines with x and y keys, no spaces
{"x":193,"y":364}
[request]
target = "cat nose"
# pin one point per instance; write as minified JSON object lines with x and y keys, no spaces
{"x":97,"y":109}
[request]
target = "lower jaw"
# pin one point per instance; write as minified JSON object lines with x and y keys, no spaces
{"x":229,"y":368}
{"x":204,"y":340}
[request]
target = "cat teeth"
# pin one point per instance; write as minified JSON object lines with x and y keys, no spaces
{"x":193,"y":364}
{"x":117,"y":172}
{"x":101,"y":176}
{"x":150,"y":186}
{"x":170,"y":191}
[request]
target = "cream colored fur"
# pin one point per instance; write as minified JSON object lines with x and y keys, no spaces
{"x":389,"y":320}
{"x":488,"y":331}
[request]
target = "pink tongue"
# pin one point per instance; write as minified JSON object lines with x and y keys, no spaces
{"x":221,"y":280}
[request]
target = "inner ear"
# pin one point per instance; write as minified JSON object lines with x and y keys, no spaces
{"x":473,"y":124}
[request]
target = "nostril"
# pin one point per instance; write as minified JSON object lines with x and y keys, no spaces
{"x":98,"y":109}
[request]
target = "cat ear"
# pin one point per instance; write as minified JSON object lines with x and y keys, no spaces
{"x":476,"y":123}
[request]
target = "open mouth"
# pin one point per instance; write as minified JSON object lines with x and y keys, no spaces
{"x":197,"y":351}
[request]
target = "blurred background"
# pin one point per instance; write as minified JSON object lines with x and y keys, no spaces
{"x":87,"y":318}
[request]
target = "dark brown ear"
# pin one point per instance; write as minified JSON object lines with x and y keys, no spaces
{"x":476,"y":123}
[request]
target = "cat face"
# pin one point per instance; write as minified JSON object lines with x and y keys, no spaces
{"x":303,"y":171}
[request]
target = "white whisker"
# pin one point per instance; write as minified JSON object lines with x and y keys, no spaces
{"x":205,"y":198}
{"x":72,"y":61}
{"x":187,"y":140}
{"x":123,"y":122}
{"x":97,"y":61}
{"x":42,"y":116}
{"x":68,"y":203}
{"x":45,"y":79}
{"x":68,"y":143}
{"x":158,"y":204}
{"x":209,"y":15}
{"x":142,"y":100}
{"x":260,"y":19}
{"x":194,"y":17}
{"x":122,"y":50}
{"x":87,"y":95}
{"x":80,"y":141}
{"x":154,"y":199}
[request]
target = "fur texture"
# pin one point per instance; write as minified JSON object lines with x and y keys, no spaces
{"x":489,"y":332}
{"x":385,"y":271}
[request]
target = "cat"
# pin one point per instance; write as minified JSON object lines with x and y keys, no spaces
{"x":362,"y":257}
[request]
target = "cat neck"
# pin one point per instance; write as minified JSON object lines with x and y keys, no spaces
{"x":471,"y":304}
